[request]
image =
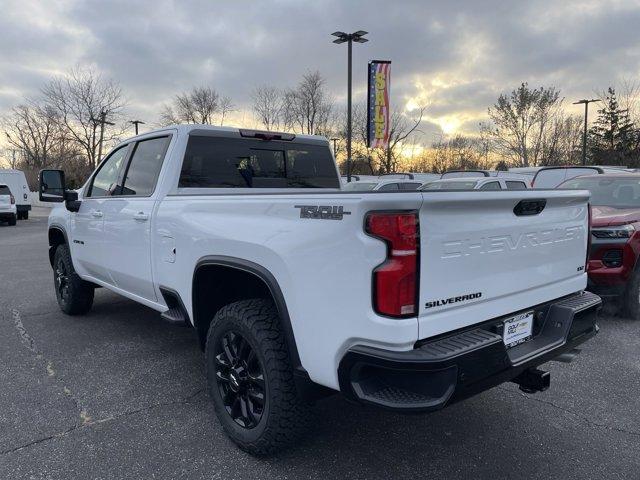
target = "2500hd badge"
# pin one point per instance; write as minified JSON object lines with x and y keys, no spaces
{"x":450,"y":300}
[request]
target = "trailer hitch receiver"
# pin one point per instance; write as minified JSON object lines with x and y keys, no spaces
{"x":533,"y":380}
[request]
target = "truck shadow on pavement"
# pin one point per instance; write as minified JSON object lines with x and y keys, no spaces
{"x":140,"y":360}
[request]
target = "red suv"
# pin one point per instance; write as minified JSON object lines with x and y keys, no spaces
{"x":615,"y":236}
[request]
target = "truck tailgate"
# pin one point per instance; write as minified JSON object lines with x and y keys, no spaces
{"x":480,"y":260}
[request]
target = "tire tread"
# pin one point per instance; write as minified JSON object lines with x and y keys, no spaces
{"x":289,"y":416}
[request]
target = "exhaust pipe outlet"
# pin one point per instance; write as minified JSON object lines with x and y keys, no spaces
{"x":567,"y":357}
{"x":533,"y":380}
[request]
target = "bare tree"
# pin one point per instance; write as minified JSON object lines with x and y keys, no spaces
{"x":459,"y":153}
{"x":562,"y":144}
{"x":307,"y":108}
{"x":226,"y":107}
{"x":268,"y":106}
{"x":33,"y":132}
{"x":83,"y":101}
{"x":199,"y":105}
{"x":401,"y":128}
{"x":521,"y":120}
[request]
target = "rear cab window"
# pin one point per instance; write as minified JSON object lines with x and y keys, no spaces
{"x":4,"y":190}
{"x":222,"y":162}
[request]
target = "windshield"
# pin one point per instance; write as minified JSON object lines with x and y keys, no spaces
{"x":609,"y":192}
{"x":360,"y":186}
{"x":470,"y":185}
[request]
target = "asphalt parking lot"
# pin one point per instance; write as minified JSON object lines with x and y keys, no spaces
{"x":120,"y":394}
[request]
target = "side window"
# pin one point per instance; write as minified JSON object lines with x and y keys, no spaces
{"x":105,"y":181}
{"x":511,"y":185}
{"x":491,"y":186}
{"x":409,"y":186}
{"x":389,"y":186}
{"x":144,"y":167}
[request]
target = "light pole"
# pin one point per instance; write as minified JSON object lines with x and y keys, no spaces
{"x":342,"y":37}
{"x":136,"y":123}
{"x":102,"y":121}
{"x":584,"y":134}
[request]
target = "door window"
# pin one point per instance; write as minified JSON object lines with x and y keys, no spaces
{"x":144,"y":167}
{"x":491,"y":186}
{"x":511,"y":185}
{"x":105,"y":181}
{"x":389,"y":186}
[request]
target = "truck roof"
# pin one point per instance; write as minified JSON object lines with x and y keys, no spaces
{"x":230,"y":132}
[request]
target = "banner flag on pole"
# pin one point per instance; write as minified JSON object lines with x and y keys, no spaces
{"x":379,"y":81}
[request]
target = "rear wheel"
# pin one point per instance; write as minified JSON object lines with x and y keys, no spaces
{"x":251,"y":379}
{"x":25,"y":215}
{"x":12,"y":220}
{"x":631,"y":297}
{"x":75,"y":296}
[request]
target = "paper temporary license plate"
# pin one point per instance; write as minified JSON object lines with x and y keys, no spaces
{"x":518,"y":329}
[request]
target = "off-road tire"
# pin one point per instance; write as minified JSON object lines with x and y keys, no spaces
{"x":77,"y":299}
{"x":285,"y":416}
{"x":631,"y":298}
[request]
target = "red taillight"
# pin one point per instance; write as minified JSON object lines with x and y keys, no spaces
{"x":13,"y":200}
{"x":395,"y":282}
{"x":586,"y":262}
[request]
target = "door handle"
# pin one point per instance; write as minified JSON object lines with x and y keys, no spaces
{"x":96,"y":213}
{"x":141,"y":216}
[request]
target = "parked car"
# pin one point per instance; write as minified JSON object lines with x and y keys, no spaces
{"x":615,"y":236}
{"x":410,"y":176}
{"x":7,"y":205}
{"x":17,"y":183}
{"x":484,"y":173}
{"x":382,"y":185}
{"x":478,"y":183}
{"x":358,"y":178}
{"x":296,"y":289}
{"x":551,"y":177}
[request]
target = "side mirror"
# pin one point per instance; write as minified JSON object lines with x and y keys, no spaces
{"x":52,"y":189}
{"x":51,"y":186}
{"x":71,"y":201}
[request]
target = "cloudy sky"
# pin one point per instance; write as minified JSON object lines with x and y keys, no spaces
{"x":455,"y":56}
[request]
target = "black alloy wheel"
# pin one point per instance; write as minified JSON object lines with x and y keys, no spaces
{"x":62,"y":280}
{"x":240,"y":379}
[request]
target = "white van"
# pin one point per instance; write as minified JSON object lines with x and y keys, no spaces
{"x":17,"y":183}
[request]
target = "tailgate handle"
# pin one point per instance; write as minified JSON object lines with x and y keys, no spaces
{"x":529,"y":207}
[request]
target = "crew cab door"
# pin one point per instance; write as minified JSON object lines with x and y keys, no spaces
{"x":127,"y":219}
{"x":87,"y":242}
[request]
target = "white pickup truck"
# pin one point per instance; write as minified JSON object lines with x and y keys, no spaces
{"x":404,"y":300}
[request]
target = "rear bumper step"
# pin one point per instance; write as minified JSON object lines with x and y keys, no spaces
{"x":456,"y":366}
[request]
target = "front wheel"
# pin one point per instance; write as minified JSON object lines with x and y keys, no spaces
{"x":251,"y":379}
{"x":75,"y":296}
{"x":631,"y":297}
